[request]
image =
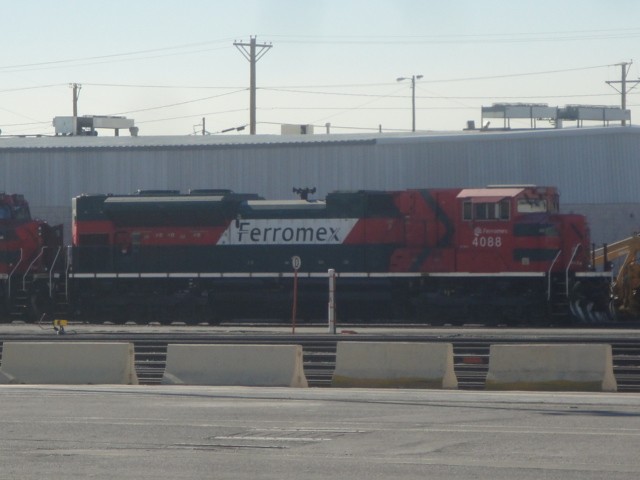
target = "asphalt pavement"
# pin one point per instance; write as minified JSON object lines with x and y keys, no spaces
{"x":182,"y":432}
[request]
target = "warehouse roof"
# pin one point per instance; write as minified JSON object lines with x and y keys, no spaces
{"x":225,"y":141}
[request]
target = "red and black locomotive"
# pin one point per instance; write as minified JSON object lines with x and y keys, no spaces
{"x":30,"y":250}
{"x":493,"y":255}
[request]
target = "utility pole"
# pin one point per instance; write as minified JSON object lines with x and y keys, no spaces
{"x":76,"y":94}
{"x":253,"y":55}
{"x":413,"y":97}
{"x":624,"y":66}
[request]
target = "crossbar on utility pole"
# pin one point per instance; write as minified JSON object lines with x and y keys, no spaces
{"x":253,"y":55}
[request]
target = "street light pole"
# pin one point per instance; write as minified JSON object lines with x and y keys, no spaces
{"x":413,"y":79}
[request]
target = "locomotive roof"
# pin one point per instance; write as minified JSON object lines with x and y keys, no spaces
{"x":285,"y":204}
{"x":163,"y":199}
{"x":490,"y":193}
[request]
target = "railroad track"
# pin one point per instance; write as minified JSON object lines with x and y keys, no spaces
{"x":471,"y":355}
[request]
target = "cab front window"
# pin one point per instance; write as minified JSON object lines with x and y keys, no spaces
{"x":529,"y":205}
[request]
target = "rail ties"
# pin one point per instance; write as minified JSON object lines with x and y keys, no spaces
{"x":626,"y":367}
{"x":471,"y":364}
{"x":150,"y":361}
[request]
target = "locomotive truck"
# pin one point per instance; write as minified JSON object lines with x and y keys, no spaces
{"x":493,"y":255}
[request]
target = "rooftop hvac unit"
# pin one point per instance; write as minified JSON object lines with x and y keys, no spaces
{"x":289,"y":129}
{"x":87,"y":124}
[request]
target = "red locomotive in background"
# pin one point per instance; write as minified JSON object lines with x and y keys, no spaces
{"x":29,"y":251}
{"x":492,"y":255}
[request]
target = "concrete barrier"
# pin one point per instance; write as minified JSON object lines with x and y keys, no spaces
{"x":557,"y":367}
{"x":394,"y":365}
{"x":68,"y":363}
{"x":242,"y":365}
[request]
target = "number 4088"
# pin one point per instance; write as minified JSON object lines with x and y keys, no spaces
{"x":481,"y":241}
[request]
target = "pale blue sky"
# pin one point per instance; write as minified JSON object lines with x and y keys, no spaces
{"x":331,"y":61}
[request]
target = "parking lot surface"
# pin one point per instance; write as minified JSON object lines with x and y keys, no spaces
{"x":182,"y":432}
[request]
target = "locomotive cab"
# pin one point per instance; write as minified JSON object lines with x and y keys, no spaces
{"x":514,"y":229}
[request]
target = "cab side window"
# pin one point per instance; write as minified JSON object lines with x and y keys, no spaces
{"x":486,"y":210}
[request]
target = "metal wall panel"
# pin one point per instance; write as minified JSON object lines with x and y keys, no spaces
{"x":590,"y":166}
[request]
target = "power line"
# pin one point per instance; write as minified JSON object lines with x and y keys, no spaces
{"x":376,"y":39}
{"x":23,"y":124}
{"x":459,"y":79}
{"x":305,"y":90}
{"x":352,"y":85}
{"x":196,"y":115}
{"x":511,"y":75}
{"x":443,"y":97}
{"x":186,"y":102}
{"x":177,"y":87}
{"x":107,"y":56}
{"x":532,"y":37}
{"x":357,"y":106}
{"x":36,"y":87}
{"x":90,"y":63}
{"x":267,"y":109}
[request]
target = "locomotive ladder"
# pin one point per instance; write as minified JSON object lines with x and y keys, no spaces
{"x":558,"y":287}
{"x":14,"y":296}
{"x":557,"y":301}
{"x":22,"y":296}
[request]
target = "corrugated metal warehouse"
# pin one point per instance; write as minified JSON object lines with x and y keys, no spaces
{"x":596,"y":169}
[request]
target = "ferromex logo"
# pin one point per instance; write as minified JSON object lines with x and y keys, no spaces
{"x":320,"y":231}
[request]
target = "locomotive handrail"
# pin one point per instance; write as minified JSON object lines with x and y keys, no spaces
{"x":68,"y":269}
{"x":573,"y":255}
{"x":549,"y":275}
{"x":24,"y":277}
{"x":12,"y":272}
{"x":51,"y":270}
